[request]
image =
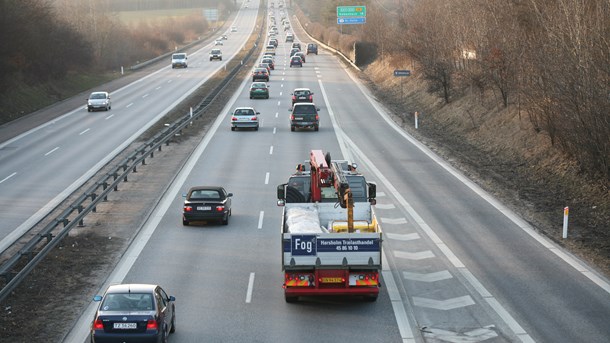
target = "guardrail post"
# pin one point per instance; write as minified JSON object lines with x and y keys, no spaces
{"x":93,"y":197}
{"x":134,"y":169}
{"x":104,"y":187}
{"x":81,"y":222}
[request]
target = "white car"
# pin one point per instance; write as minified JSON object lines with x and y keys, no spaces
{"x":233,"y":28}
{"x":244,"y":117}
{"x":99,"y":101}
{"x":218,"y":42}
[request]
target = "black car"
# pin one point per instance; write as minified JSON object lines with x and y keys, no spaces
{"x":205,"y":203}
{"x":296,"y":61}
{"x":312,"y":48}
{"x":304,"y":115}
{"x":134,"y":313}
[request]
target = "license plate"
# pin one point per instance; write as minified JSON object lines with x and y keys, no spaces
{"x":204,"y":208}
{"x":124,"y":326}
{"x":301,"y":97}
{"x":332,"y":280}
{"x":298,"y":118}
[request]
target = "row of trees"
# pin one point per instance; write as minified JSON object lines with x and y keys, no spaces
{"x":35,"y":45}
{"x":549,"y":58}
{"x":44,"y":40}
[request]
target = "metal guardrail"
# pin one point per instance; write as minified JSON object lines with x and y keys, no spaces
{"x":36,"y":249}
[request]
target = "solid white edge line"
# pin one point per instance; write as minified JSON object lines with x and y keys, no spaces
{"x":260,"y":219}
{"x":80,"y":330}
{"x":250,"y":288}
{"x":398,"y":305}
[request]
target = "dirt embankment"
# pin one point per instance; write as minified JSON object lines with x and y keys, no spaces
{"x":498,"y":148}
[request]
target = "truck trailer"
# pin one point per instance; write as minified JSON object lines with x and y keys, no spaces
{"x":331,"y":239}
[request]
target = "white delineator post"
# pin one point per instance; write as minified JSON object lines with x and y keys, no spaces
{"x":566,"y":212}
{"x":416,"y":117}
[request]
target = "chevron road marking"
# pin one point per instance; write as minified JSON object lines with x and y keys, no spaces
{"x":429,"y":277}
{"x":421,"y":255}
{"x":385,"y":206}
{"x":444,"y":305}
{"x":394,"y":221}
{"x":476,"y":335}
{"x":403,"y":237}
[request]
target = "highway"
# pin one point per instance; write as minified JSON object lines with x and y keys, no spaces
{"x":459,"y":266}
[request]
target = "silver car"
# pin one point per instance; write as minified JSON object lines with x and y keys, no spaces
{"x":99,"y":101}
{"x":244,"y":117}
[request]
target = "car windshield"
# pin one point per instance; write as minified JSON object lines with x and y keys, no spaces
{"x":216,"y":51}
{"x":268,"y":61}
{"x":301,"y":92}
{"x":98,"y":96}
{"x":259,"y":85}
{"x":179,"y":56}
{"x":296,"y":58}
{"x":128,"y":302}
{"x":211,"y":194}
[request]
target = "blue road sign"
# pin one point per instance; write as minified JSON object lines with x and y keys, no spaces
{"x":360,"y":20}
{"x":398,"y":72}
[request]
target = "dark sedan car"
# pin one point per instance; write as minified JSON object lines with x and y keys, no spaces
{"x":134,"y":313}
{"x":205,"y":203}
{"x":259,"y":74}
{"x":259,"y":90}
{"x":296,"y":61}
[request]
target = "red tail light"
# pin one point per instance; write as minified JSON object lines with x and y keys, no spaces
{"x":310,"y":98}
{"x":220,"y":208}
{"x":98,"y":325}
{"x":188,"y":208}
{"x":152,"y":325}
{"x":317,"y":117}
{"x":254,"y":118}
{"x":233,"y":118}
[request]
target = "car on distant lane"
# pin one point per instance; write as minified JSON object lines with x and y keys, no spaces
{"x":216,"y":54}
{"x":296,"y":61}
{"x":99,"y":101}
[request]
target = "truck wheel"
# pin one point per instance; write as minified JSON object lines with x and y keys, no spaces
{"x":291,"y":300}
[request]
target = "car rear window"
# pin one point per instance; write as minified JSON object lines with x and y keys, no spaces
{"x":244,"y":112}
{"x":205,"y":194}
{"x":304,"y":109}
{"x":128,"y":302}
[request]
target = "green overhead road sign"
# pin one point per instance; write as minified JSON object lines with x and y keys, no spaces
{"x":351,"y":11}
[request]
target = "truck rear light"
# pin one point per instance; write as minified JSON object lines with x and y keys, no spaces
{"x":152,"y":325}
{"x":98,"y":325}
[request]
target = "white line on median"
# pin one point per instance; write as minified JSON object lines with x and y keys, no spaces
{"x":110,"y":116}
{"x":128,"y":106}
{"x":271,"y":150}
{"x":84,"y":132}
{"x":267,"y":178}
